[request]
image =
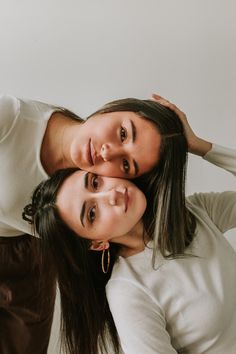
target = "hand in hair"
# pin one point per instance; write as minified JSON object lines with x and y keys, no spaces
{"x":196,"y":145}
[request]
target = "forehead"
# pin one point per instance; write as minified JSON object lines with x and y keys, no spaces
{"x":75,"y":178}
{"x":126,"y":115}
{"x":69,"y":186}
{"x":69,"y":199}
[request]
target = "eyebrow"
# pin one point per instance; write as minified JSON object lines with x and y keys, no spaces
{"x":134,"y":135}
{"x":133,"y":130}
{"x":136,"y":168}
{"x":86,"y":177}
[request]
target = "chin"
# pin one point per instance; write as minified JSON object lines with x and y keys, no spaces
{"x":75,"y":161}
{"x":75,"y":155}
{"x":142,"y":202}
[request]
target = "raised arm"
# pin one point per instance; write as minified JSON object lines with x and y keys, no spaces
{"x":220,"y":207}
{"x":216,"y":154}
{"x":222,"y":157}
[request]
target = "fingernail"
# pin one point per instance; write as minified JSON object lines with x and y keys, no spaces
{"x":156,"y":96}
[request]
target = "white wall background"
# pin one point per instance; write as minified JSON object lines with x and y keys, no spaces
{"x":83,"y":53}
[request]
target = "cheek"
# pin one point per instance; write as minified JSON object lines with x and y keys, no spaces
{"x":115,"y":224}
{"x":118,"y":229}
{"x":123,"y":224}
{"x":104,"y":129}
{"x":111,"y":169}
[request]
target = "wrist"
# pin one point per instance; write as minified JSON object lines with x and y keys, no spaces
{"x":199,"y":147}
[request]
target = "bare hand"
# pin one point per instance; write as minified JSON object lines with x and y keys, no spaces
{"x":196,"y":145}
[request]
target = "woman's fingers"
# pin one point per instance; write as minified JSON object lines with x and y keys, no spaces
{"x":172,"y":106}
{"x":196,"y":145}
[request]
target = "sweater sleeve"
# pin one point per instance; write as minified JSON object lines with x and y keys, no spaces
{"x":222,"y":157}
{"x":139,"y":320}
{"x":220,"y":207}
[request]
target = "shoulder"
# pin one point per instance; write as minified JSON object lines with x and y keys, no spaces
{"x":32,"y":110}
{"x":133,"y":275}
{"x":9,"y":110}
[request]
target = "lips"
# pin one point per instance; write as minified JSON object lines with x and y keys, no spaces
{"x":126,"y":196}
{"x":92,"y":152}
{"x":88,"y":153}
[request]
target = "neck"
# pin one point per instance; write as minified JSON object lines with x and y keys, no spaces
{"x":55,"y":149}
{"x":133,"y":242}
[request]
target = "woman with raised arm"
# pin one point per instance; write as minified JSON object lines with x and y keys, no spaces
{"x":163,"y":283}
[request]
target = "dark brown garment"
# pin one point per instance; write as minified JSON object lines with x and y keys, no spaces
{"x":26,"y":315}
{"x":14,"y":335}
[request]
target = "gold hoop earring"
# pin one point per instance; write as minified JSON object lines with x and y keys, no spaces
{"x":105,"y":270}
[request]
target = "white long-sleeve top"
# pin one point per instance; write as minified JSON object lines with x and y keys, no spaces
{"x":22,"y":127}
{"x":183,"y":305}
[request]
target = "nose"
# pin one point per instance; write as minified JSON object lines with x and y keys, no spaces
{"x":116,"y":196}
{"x":109,"y":152}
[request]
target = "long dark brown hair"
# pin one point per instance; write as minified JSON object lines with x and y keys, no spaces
{"x":167,"y":220}
{"x":86,"y":319}
{"x":166,"y":215}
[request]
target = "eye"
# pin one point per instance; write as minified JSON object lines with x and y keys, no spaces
{"x":126,"y":166}
{"x":123,"y":134}
{"x":94,"y":182}
{"x":92,"y":214}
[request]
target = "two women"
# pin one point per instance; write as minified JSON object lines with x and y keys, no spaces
{"x":122,"y":139}
{"x":166,"y":274}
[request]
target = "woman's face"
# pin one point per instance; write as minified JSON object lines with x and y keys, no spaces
{"x":117,"y":144}
{"x":100,"y":208}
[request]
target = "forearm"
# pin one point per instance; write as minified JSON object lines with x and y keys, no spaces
{"x":222,"y":157}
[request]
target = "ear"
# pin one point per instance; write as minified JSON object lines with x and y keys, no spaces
{"x":99,"y":245}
